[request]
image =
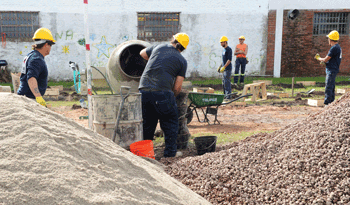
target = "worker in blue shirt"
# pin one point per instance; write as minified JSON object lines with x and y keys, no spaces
{"x":332,"y":61}
{"x":33,"y":80}
{"x":160,"y":83}
{"x":226,"y":67}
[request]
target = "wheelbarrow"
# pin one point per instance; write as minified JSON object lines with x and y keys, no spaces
{"x":209,"y":101}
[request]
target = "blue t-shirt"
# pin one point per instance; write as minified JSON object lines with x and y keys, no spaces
{"x":165,"y":63}
{"x":335,"y":53}
{"x":33,"y":66}
{"x":227,"y":55}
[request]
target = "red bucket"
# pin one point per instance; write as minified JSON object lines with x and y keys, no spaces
{"x":143,"y":148}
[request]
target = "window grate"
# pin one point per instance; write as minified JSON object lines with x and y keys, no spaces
{"x":157,"y":26}
{"x":18,"y":24}
{"x":326,"y":22}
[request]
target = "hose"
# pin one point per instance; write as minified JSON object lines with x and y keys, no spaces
{"x":104,"y":78}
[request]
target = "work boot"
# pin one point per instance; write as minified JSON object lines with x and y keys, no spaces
{"x":178,"y":154}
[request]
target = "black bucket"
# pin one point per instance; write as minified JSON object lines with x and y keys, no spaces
{"x":205,"y":144}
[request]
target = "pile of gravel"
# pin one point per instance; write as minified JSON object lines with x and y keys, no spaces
{"x":303,"y":163}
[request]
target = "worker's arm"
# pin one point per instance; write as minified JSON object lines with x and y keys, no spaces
{"x":246,"y":51}
{"x":325,"y":60}
{"x":143,"y":54}
{"x":178,"y":85}
{"x":33,"y":85}
{"x":227,"y":63}
{"x":237,"y":51}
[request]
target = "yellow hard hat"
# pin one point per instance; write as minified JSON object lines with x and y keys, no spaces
{"x":333,"y":35}
{"x":223,"y":39}
{"x":183,"y":39}
{"x":44,"y":34}
{"x":241,"y":37}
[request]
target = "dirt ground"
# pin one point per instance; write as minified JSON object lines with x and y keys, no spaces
{"x":251,"y":118}
{"x":232,"y":119}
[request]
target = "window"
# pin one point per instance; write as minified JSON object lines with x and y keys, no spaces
{"x":157,"y":26}
{"x":17,"y":24}
{"x":326,"y":22}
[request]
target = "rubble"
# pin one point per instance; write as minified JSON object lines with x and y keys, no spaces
{"x":304,"y":163}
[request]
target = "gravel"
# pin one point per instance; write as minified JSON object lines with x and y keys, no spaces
{"x":307,"y":162}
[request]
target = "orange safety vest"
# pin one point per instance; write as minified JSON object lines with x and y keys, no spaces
{"x":241,"y":47}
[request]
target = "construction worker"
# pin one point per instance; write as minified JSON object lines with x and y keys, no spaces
{"x":226,"y":67}
{"x":160,"y":82}
{"x":241,"y":52}
{"x":332,"y":61}
{"x":33,"y":80}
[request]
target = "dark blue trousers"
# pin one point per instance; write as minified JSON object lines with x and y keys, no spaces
{"x":160,"y":105}
{"x":226,"y":81}
{"x":240,"y":62}
{"x":330,"y":86}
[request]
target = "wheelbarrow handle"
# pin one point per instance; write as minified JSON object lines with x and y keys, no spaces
{"x":242,"y":96}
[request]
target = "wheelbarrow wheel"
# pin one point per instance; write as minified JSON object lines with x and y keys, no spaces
{"x":189,"y":115}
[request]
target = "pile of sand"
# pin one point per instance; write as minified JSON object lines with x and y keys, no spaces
{"x":46,"y":158}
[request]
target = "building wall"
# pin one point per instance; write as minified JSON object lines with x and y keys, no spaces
{"x":112,"y":22}
{"x":299,"y":46}
{"x":270,"y":42}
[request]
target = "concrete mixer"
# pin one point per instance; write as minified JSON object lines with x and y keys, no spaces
{"x":125,"y":65}
{"x":115,"y":117}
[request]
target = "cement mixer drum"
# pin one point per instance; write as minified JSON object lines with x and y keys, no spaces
{"x":125,"y":65}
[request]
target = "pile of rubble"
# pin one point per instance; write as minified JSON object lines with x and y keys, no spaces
{"x":304,"y":163}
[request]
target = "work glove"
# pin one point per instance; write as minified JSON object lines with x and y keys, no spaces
{"x":41,"y":101}
{"x":317,"y":56}
{"x":222,"y":69}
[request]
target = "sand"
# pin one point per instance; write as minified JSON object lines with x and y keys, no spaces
{"x":46,"y":158}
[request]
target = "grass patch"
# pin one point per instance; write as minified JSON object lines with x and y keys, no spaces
{"x":62,"y":103}
{"x":222,"y":138}
{"x":250,"y":79}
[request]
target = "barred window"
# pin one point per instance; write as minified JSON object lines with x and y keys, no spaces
{"x":157,"y":26}
{"x":18,"y":24}
{"x":326,"y":22}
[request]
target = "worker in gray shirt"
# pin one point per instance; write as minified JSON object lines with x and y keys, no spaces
{"x":160,"y":82}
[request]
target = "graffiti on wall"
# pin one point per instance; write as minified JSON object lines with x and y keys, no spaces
{"x":103,"y":47}
{"x":68,"y":35}
{"x":208,"y":52}
{"x":65,"y":49}
{"x":81,"y":42}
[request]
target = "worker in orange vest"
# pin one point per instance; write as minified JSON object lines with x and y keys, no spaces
{"x":241,"y":60}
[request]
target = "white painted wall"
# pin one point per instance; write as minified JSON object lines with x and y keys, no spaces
{"x":115,"y":21}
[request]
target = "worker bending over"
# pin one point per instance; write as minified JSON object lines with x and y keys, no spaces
{"x":160,"y":82}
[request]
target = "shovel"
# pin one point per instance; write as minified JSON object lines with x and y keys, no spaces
{"x":308,"y":92}
{"x":120,"y":110}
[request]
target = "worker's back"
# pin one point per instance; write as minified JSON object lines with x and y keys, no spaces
{"x":164,"y":64}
